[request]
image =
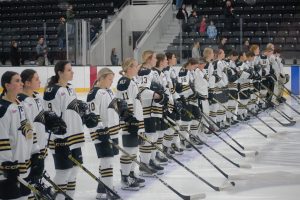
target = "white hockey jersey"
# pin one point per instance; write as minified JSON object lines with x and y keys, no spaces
{"x":201,"y":83}
{"x":34,"y":109}
{"x":16,"y":138}
{"x":63,"y":101}
{"x":128,"y":90}
{"x":99,"y":100}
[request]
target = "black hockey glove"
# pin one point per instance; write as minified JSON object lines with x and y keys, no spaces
{"x":264,"y":72}
{"x":257,"y":68}
{"x":10,"y":170}
{"x":82,"y":107}
{"x":54,"y":124}
{"x":183,"y":101}
{"x":178,"y":106}
{"x":133,"y":125}
{"x":90,"y":120}
{"x":37,"y":167}
{"x":163,"y":100}
{"x":103,"y":135}
{"x":61,"y":147}
{"x":210,"y":96}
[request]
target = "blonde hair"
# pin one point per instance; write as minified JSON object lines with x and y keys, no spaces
{"x":127,"y":63}
{"x":103,"y":73}
{"x":253,"y":47}
{"x":147,"y":55}
{"x":206,"y":52}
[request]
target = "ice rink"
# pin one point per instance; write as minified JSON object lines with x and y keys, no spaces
{"x":275,"y":172}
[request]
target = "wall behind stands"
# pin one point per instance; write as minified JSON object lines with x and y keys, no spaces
{"x":85,"y":76}
{"x":119,"y":32}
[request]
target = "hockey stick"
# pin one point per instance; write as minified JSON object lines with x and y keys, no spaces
{"x":56,"y":187}
{"x":182,"y":196}
{"x":35,"y":191}
{"x":245,"y":123}
{"x":296,"y":111}
{"x":289,"y":91}
{"x":282,"y":124}
{"x":235,"y":149}
{"x":253,"y":114}
{"x":188,"y":169}
{"x":290,"y":119}
{"x":241,"y":146}
{"x":223,"y":156}
{"x":93,"y":176}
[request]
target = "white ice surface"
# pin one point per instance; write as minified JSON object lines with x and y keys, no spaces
{"x":275,"y":172}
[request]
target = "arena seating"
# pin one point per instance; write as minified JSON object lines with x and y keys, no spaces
{"x":23,"y":21}
{"x":276,"y":21}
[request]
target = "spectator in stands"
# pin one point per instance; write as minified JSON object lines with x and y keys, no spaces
{"x":212,"y":30}
{"x":229,"y":17}
{"x":114,"y":57}
{"x":70,"y":20}
{"x":203,"y":25}
{"x":196,"y":50}
{"x":246,"y":46}
{"x":223,"y":45}
{"x":193,"y":21}
{"x":182,"y":14}
{"x":41,"y":51}
{"x":15,"y":56}
{"x":61,"y":33}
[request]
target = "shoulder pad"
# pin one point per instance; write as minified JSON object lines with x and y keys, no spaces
{"x":3,"y":107}
{"x":206,"y":66}
{"x":239,"y":63}
{"x":156,"y":70}
{"x":144,"y":71}
{"x":21,"y":97}
{"x":166,"y":69}
{"x":215,"y":64}
{"x":91,"y":95}
{"x":183,"y":72}
{"x":123,"y":83}
{"x":51,"y":92}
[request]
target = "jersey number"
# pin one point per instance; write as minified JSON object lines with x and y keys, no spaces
{"x":125,"y":95}
{"x":50,"y":106}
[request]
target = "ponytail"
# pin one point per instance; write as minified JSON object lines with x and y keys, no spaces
{"x":59,"y":67}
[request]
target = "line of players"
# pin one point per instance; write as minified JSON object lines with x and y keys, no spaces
{"x":146,"y":96}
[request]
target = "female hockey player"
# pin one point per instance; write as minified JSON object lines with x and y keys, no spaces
{"x":102,"y":102}
{"x":150,"y":94}
{"x":127,"y":89}
{"x":34,"y":109}
{"x":16,"y":140}
{"x":60,"y":98}
{"x":172,"y":81}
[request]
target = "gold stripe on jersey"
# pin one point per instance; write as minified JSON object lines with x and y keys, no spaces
{"x":94,"y":135}
{"x":5,"y":145}
{"x":114,"y":130}
{"x":185,"y":88}
{"x":125,"y":160}
{"x":147,"y":110}
{"x":75,"y":139}
{"x":141,"y":125}
{"x":44,"y":152}
{"x":34,"y":138}
{"x":168,"y":137}
{"x":23,"y":167}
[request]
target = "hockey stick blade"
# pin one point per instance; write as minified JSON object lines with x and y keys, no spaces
{"x":194,"y":196}
{"x":226,"y":186}
{"x":251,"y":153}
{"x":245,"y":166}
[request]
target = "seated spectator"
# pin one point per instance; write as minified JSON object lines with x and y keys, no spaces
{"x":223,"y":45}
{"x":15,"y":57}
{"x":203,"y":25}
{"x":212,"y":30}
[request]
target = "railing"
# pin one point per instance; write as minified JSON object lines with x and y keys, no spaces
{"x":156,"y":17}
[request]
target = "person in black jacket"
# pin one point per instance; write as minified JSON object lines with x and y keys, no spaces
{"x":229,"y":16}
{"x":15,"y":57}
